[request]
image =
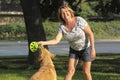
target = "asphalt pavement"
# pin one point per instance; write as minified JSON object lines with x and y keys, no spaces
{"x":21,"y":47}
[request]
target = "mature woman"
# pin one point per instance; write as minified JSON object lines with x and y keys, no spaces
{"x":80,"y":38}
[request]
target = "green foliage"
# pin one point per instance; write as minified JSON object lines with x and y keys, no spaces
{"x":106,"y":30}
{"x":12,"y":1}
{"x":12,"y":31}
{"x":102,"y":30}
{"x":50,"y":28}
{"x":102,"y":7}
{"x":107,"y":7}
{"x":87,"y":11}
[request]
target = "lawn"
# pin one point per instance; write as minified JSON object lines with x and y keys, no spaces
{"x":105,"y":67}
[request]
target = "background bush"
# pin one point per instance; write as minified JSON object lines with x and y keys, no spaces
{"x":87,"y":11}
{"x":102,"y":30}
{"x":13,"y":32}
{"x":106,"y":30}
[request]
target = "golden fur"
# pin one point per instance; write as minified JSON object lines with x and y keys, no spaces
{"x":47,"y":70}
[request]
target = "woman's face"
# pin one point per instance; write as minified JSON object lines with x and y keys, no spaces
{"x":65,"y":13}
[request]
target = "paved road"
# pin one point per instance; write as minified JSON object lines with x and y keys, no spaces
{"x":21,"y":48}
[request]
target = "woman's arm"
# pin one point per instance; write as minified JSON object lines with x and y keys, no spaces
{"x":90,"y":34}
{"x":54,"y":41}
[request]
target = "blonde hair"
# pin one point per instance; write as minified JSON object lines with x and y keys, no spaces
{"x":65,"y":7}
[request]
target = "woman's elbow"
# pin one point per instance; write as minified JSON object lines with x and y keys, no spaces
{"x":57,"y":41}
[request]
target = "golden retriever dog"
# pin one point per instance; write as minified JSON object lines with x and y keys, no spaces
{"x":47,"y":70}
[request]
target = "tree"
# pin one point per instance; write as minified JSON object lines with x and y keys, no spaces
{"x":33,"y":21}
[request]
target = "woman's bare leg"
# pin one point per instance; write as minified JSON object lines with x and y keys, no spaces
{"x":71,"y":68}
{"x":87,"y":70}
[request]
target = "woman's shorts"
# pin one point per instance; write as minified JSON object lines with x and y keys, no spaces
{"x":83,"y":55}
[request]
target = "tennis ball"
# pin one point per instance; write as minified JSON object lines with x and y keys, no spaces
{"x":34,"y":46}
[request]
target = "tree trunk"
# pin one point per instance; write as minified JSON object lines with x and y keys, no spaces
{"x":33,"y":22}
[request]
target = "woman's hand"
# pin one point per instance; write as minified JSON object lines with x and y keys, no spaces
{"x":92,"y":53}
{"x":40,"y":43}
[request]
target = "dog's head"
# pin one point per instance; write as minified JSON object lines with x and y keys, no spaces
{"x":44,"y":53}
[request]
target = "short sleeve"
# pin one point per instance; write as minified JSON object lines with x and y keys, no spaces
{"x":60,"y":29}
{"x":82,"y":22}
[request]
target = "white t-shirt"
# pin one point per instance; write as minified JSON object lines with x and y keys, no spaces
{"x":76,"y":37}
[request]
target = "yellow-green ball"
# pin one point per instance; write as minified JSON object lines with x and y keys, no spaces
{"x":34,"y":46}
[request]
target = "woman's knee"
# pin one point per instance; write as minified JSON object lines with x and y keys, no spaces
{"x":86,"y":72}
{"x":87,"y":68}
{"x":71,"y":71}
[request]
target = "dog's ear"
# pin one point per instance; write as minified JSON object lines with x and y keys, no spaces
{"x":52,"y":55}
{"x":46,"y":52}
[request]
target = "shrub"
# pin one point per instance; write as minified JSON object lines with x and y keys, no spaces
{"x":106,"y":30}
{"x":12,"y":32}
{"x":102,"y":30}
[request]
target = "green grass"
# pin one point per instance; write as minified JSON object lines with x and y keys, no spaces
{"x":105,"y":67}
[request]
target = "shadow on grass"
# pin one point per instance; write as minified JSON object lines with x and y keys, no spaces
{"x":103,"y":63}
{"x":105,"y":67}
{"x":107,"y":63}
